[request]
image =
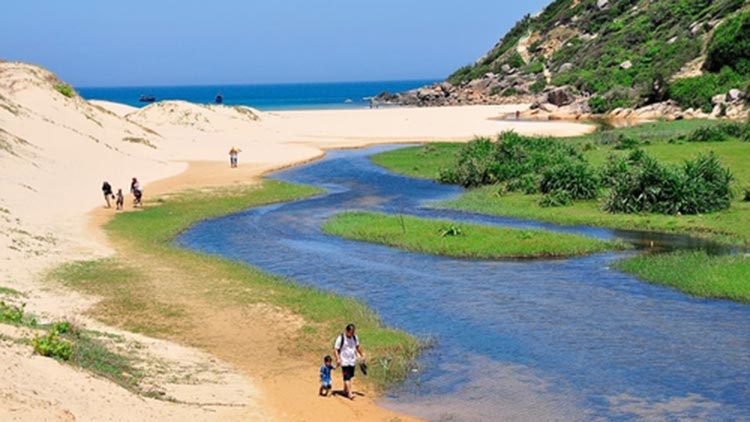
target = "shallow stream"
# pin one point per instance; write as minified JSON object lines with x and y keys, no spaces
{"x":567,"y":340}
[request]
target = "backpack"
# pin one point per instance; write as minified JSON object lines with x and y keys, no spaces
{"x":343,"y":339}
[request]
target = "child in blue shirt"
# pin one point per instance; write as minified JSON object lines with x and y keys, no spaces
{"x":325,"y":376}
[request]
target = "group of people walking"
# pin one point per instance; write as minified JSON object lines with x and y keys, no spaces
{"x":346,"y":349}
{"x":119,"y":198}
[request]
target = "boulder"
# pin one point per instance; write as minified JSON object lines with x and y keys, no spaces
{"x":601,"y":4}
{"x":719,"y":99}
{"x":627,"y":64}
{"x":549,"y":108}
{"x":734,"y":95}
{"x":565,"y":67}
{"x":561,"y":96}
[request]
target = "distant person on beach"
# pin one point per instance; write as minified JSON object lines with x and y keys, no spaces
{"x":518,"y":115}
{"x":325,"y":376}
{"x":107,"y":191}
{"x":120,"y":199}
{"x":346,"y":348}
{"x":135,"y":189}
{"x":233,"y":153}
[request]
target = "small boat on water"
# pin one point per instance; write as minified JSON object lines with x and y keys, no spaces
{"x":147,"y":99}
{"x":219,"y":99}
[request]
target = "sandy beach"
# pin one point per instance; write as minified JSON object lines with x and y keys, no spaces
{"x":55,"y":152}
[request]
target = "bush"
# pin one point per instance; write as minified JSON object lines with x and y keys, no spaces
{"x":475,"y":165}
{"x":730,"y":45}
{"x":52,"y":346}
{"x":641,"y":184}
{"x":65,"y":90}
{"x":746,"y":194}
{"x":708,"y":134}
{"x":528,"y":184}
{"x":598,"y":105}
{"x":515,"y":159}
{"x":721,"y":132}
{"x":538,"y":86}
{"x":11,"y":313}
{"x":557,"y":198}
{"x":575,"y":178}
{"x":706,"y":186}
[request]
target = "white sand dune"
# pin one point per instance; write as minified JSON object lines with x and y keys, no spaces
{"x":55,"y":152}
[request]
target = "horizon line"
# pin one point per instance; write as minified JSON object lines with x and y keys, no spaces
{"x":259,"y":84}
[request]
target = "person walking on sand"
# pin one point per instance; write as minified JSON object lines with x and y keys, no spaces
{"x":135,"y":189}
{"x":346,"y":348}
{"x":120,"y":199}
{"x":325,"y":376}
{"x":107,"y":191}
{"x":233,"y":154}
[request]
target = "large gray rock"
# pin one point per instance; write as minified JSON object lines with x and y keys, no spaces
{"x":601,"y":4}
{"x":565,"y":67}
{"x":561,"y":96}
{"x":627,"y":64}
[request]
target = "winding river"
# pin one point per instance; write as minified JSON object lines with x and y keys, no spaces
{"x":567,"y":340}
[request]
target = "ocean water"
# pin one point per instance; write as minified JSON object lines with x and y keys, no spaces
{"x":264,"y":97}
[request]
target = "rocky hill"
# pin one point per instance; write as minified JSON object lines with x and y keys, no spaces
{"x":603,"y":56}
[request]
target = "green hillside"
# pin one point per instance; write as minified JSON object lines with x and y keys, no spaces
{"x":624,"y":53}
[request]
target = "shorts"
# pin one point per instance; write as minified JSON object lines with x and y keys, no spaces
{"x":348,"y":372}
{"x":325,"y":384}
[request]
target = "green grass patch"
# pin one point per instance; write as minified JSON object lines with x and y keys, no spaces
{"x":439,"y":237}
{"x":7,"y":291}
{"x":132,"y":292}
{"x":695,"y":273}
{"x":424,"y":162}
{"x":65,"y":90}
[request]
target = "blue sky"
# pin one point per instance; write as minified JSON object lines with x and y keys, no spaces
{"x":190,"y":42}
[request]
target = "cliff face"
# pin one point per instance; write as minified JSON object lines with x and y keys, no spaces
{"x":615,"y":53}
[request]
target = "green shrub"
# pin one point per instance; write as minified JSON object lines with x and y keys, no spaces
{"x":65,"y":90}
{"x":534,"y":67}
{"x":641,"y":184}
{"x":527,"y":183}
{"x":51,"y":345}
{"x":598,"y":104}
{"x":515,"y":159}
{"x":11,"y":313}
{"x":515,"y":60}
{"x":721,"y":132}
{"x":708,"y":134}
{"x":746,"y":194}
{"x":538,"y":86}
{"x":510,"y":92}
{"x":557,"y":198}
{"x":575,"y":178}
{"x":730,"y":45}
{"x":475,"y":165}
{"x":706,"y":186}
